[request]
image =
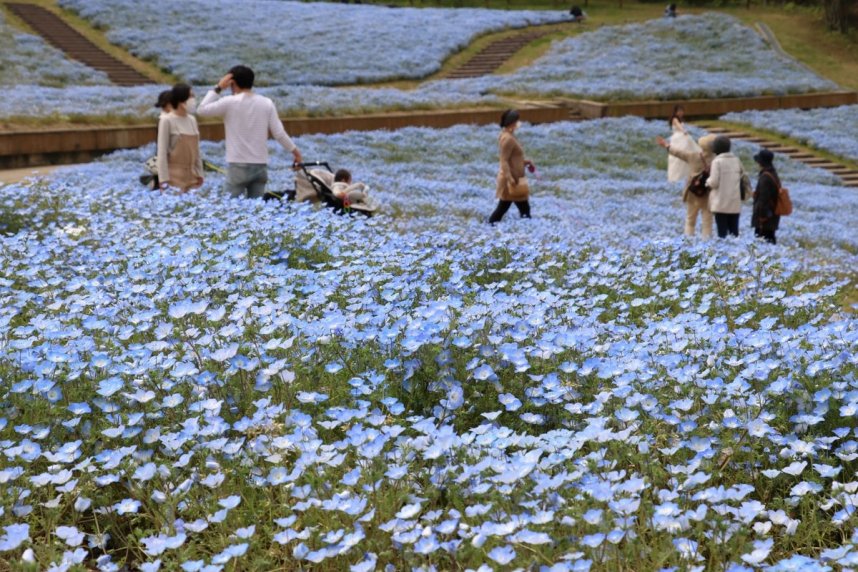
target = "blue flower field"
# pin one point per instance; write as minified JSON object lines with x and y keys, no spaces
{"x":693,"y":56}
{"x":29,"y":60}
{"x":200,"y":384}
{"x":319,"y":43}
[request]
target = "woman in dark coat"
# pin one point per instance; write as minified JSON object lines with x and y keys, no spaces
{"x":764,"y":220}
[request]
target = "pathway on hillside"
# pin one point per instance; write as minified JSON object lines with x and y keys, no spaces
{"x":497,"y":53}
{"x":76,"y":45}
{"x":847,"y":174}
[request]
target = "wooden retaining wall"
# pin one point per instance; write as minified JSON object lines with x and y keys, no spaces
{"x":21,"y":149}
{"x":711,"y":107}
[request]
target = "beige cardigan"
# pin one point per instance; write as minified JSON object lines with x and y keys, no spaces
{"x":511,"y":163}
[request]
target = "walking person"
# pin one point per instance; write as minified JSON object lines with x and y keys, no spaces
{"x":511,"y":182}
{"x":763,"y":218}
{"x":180,"y":164}
{"x":725,"y":184}
{"x":248,"y":118}
{"x":695,"y":204}
{"x":677,"y":168}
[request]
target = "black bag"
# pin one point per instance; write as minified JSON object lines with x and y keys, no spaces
{"x":697,"y":186}
{"x":745,"y":189}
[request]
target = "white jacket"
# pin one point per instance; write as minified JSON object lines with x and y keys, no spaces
{"x":725,"y":182}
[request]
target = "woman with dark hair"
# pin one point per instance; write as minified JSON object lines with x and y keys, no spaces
{"x":677,"y":169}
{"x":165,"y":104}
{"x":725,"y":182}
{"x":763,"y":218}
{"x":511,"y":182}
{"x":180,"y":164}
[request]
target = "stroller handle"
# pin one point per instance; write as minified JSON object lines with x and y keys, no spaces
{"x":306,"y":164}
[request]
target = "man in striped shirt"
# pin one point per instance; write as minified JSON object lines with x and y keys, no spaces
{"x":248,"y":120}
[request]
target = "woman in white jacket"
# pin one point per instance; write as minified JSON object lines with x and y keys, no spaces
{"x":725,"y":182}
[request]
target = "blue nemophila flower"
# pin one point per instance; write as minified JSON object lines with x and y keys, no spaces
{"x":230,"y":552}
{"x":675,"y":383}
{"x":14,"y":535}
{"x":127,"y":506}
{"x":70,"y":535}
{"x":156,"y":545}
{"x":108,"y":387}
{"x":483,"y":373}
{"x":367,"y":564}
{"x":502,"y":554}
{"x":409,"y":511}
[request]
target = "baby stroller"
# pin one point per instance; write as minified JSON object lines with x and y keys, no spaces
{"x":315,"y":184}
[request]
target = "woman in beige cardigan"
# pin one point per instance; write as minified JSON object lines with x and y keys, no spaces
{"x":511,"y":176}
{"x":697,"y":163}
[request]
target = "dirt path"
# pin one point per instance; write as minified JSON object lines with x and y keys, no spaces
{"x":18,"y":175}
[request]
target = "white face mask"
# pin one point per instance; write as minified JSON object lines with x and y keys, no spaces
{"x":517,"y":125}
{"x":191,"y":105}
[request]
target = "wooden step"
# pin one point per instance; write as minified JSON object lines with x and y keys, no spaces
{"x":493,"y":56}
{"x":62,"y":36}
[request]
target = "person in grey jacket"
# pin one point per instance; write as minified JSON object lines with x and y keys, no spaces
{"x":725,"y":182}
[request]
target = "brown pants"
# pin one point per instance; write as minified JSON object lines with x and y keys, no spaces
{"x":694,"y":205}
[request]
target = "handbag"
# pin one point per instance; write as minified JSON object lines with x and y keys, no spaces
{"x":697,"y":184}
{"x":745,"y":189}
{"x":519,"y":191}
{"x":783,"y":204}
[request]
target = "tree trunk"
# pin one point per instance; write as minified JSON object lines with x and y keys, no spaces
{"x":837,"y":15}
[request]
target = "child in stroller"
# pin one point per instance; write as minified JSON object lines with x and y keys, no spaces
{"x":347,"y":192}
{"x":334,"y":190}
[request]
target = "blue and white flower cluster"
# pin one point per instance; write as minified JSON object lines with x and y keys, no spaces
{"x":695,"y":60}
{"x":29,"y":60}
{"x":319,"y":43}
{"x":832,"y":129}
{"x":707,"y":56}
{"x":195,"y":383}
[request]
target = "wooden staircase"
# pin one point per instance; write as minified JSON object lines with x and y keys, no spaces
{"x":848,"y":175}
{"x":62,"y":36}
{"x":497,"y":53}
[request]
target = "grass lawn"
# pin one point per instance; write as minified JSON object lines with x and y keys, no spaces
{"x":802,"y":34}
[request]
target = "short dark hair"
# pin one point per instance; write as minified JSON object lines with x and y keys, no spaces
{"x":243,"y":76}
{"x":509,"y":117}
{"x":721,"y":145}
{"x":165,"y":98}
{"x":180,"y":93}
{"x":342,"y":176}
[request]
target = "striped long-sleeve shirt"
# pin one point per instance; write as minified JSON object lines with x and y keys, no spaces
{"x":248,"y":119}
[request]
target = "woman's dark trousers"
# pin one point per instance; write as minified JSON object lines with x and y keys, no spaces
{"x":727,"y":224}
{"x":769,"y":235}
{"x":503,"y":206}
